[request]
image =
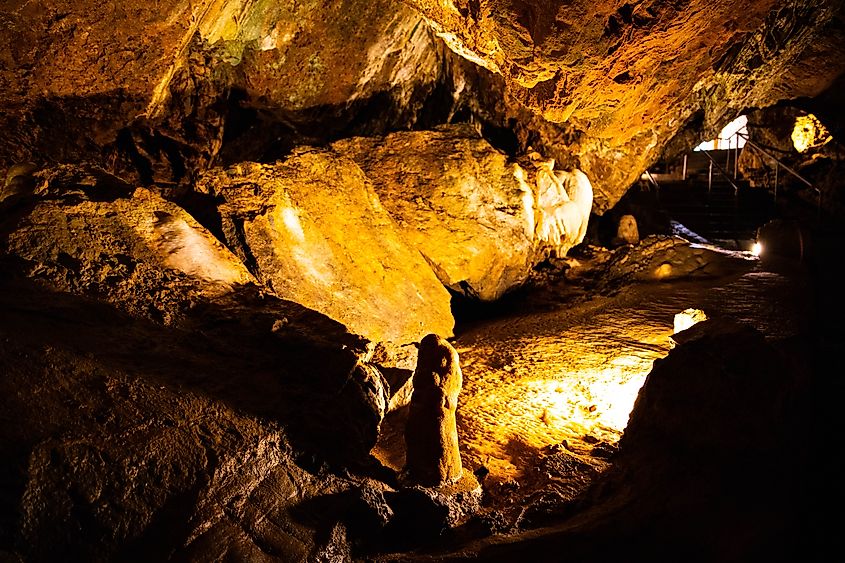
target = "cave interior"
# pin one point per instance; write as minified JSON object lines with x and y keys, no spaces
{"x":382,"y":280}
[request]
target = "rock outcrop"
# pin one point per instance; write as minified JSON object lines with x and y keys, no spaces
{"x":455,"y":198}
{"x":662,"y":258}
{"x":624,"y":79}
{"x":152,"y":89}
{"x":313,"y":230}
{"x":85,"y":231}
{"x":481,"y":219}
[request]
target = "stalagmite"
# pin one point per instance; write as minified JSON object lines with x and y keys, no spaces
{"x":431,"y":435}
{"x":627,"y":232}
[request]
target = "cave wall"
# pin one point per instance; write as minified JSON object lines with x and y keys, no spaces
{"x":154,"y":90}
{"x":160,"y":91}
{"x":630,"y":76}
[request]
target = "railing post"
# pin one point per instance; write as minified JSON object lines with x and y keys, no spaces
{"x":710,"y":177}
{"x":736,"y":155}
{"x":684,"y":176}
{"x":728,"y":159}
{"x":776,"y":181}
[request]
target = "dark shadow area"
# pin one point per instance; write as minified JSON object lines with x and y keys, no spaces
{"x":228,"y":351}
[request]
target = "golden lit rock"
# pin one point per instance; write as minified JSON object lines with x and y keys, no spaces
{"x":809,"y":133}
{"x":626,"y":230}
{"x":315,"y":232}
{"x":562,"y":201}
{"x":480,"y":220}
{"x":455,"y":200}
{"x":687,"y":318}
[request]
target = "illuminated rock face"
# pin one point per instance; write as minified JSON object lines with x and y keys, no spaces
{"x":431,"y":435}
{"x":162,"y":90}
{"x":456,"y":200}
{"x":562,"y":207}
{"x":481,"y":220}
{"x":313,"y":230}
{"x":627,"y":231}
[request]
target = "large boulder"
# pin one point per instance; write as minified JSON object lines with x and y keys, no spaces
{"x":313,"y":230}
{"x":89,"y":236}
{"x":456,"y":199}
{"x":481,"y":219}
{"x":125,"y":440}
{"x":156,"y":403}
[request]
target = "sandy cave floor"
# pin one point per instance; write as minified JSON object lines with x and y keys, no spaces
{"x":547,"y":395}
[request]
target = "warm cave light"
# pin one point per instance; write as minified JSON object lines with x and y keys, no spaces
{"x":597,"y":402}
{"x":575,"y":386}
{"x":687,"y":318}
{"x":808,"y":133}
{"x":728,"y":138}
{"x":757,"y":249}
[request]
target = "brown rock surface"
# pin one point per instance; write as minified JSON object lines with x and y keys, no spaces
{"x":144,"y":86}
{"x":627,"y":231}
{"x":154,"y":443}
{"x":626,"y":77}
{"x":456,"y":199}
{"x":433,"y":457}
{"x":313,"y":230}
{"x":87,"y":232}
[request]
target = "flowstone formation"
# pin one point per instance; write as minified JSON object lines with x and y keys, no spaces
{"x":433,"y":457}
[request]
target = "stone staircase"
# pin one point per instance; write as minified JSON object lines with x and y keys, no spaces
{"x":716,"y":210}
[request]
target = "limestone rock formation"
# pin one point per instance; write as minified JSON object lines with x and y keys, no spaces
{"x":481,"y":219}
{"x":455,"y":198}
{"x":313,"y":230}
{"x":433,"y":457}
{"x":723,"y":394}
{"x":181,"y":411}
{"x":156,"y":443}
{"x":625,"y":78}
{"x":87,"y":232}
{"x":661,"y":257}
{"x":627,"y":231}
{"x":150,"y":84}
{"x":562,"y":201}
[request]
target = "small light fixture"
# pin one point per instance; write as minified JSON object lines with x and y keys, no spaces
{"x":756,"y":248}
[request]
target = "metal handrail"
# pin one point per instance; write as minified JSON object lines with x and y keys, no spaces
{"x":757,"y":147}
{"x":721,"y":171}
{"x":652,"y":180}
{"x":785,"y":167}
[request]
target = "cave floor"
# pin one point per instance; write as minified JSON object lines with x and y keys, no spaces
{"x":547,"y":394}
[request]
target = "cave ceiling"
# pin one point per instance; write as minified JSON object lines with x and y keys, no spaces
{"x":159,"y":91}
